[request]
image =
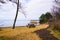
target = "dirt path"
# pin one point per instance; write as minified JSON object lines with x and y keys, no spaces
{"x":45,"y":34}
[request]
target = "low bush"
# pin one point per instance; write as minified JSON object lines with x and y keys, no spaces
{"x":31,"y":25}
{"x":55,"y":25}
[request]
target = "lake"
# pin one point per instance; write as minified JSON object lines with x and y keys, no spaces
{"x":6,"y":23}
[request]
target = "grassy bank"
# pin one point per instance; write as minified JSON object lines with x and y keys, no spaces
{"x":55,"y":33}
{"x":55,"y":28}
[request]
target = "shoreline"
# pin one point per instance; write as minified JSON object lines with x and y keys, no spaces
{"x":10,"y":26}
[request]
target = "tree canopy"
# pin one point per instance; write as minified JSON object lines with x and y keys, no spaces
{"x":45,"y":17}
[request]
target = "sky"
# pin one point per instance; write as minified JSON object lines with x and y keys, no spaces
{"x":36,"y":7}
{"x":33,"y":9}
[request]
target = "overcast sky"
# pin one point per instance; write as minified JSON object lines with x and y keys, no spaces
{"x":34,"y":8}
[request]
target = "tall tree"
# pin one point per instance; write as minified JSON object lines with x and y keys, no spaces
{"x":56,"y":9}
{"x":45,"y":17}
{"x":48,"y":16}
{"x":42,"y":19}
{"x":16,"y":14}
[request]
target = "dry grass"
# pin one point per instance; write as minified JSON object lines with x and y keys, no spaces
{"x":21,"y":33}
{"x":55,"y":33}
{"x":55,"y":28}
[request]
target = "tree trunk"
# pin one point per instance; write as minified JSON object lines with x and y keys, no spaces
{"x":16,"y":14}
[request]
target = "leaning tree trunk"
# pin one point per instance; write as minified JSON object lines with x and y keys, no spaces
{"x":16,"y":14}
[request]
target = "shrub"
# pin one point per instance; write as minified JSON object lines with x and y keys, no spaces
{"x":31,"y":25}
{"x":55,"y":24}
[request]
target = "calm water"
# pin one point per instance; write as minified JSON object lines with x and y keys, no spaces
{"x":7,"y":23}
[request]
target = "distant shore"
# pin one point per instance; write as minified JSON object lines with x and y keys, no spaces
{"x":11,"y":26}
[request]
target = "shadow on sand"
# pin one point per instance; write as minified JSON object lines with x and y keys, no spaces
{"x":45,"y":34}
